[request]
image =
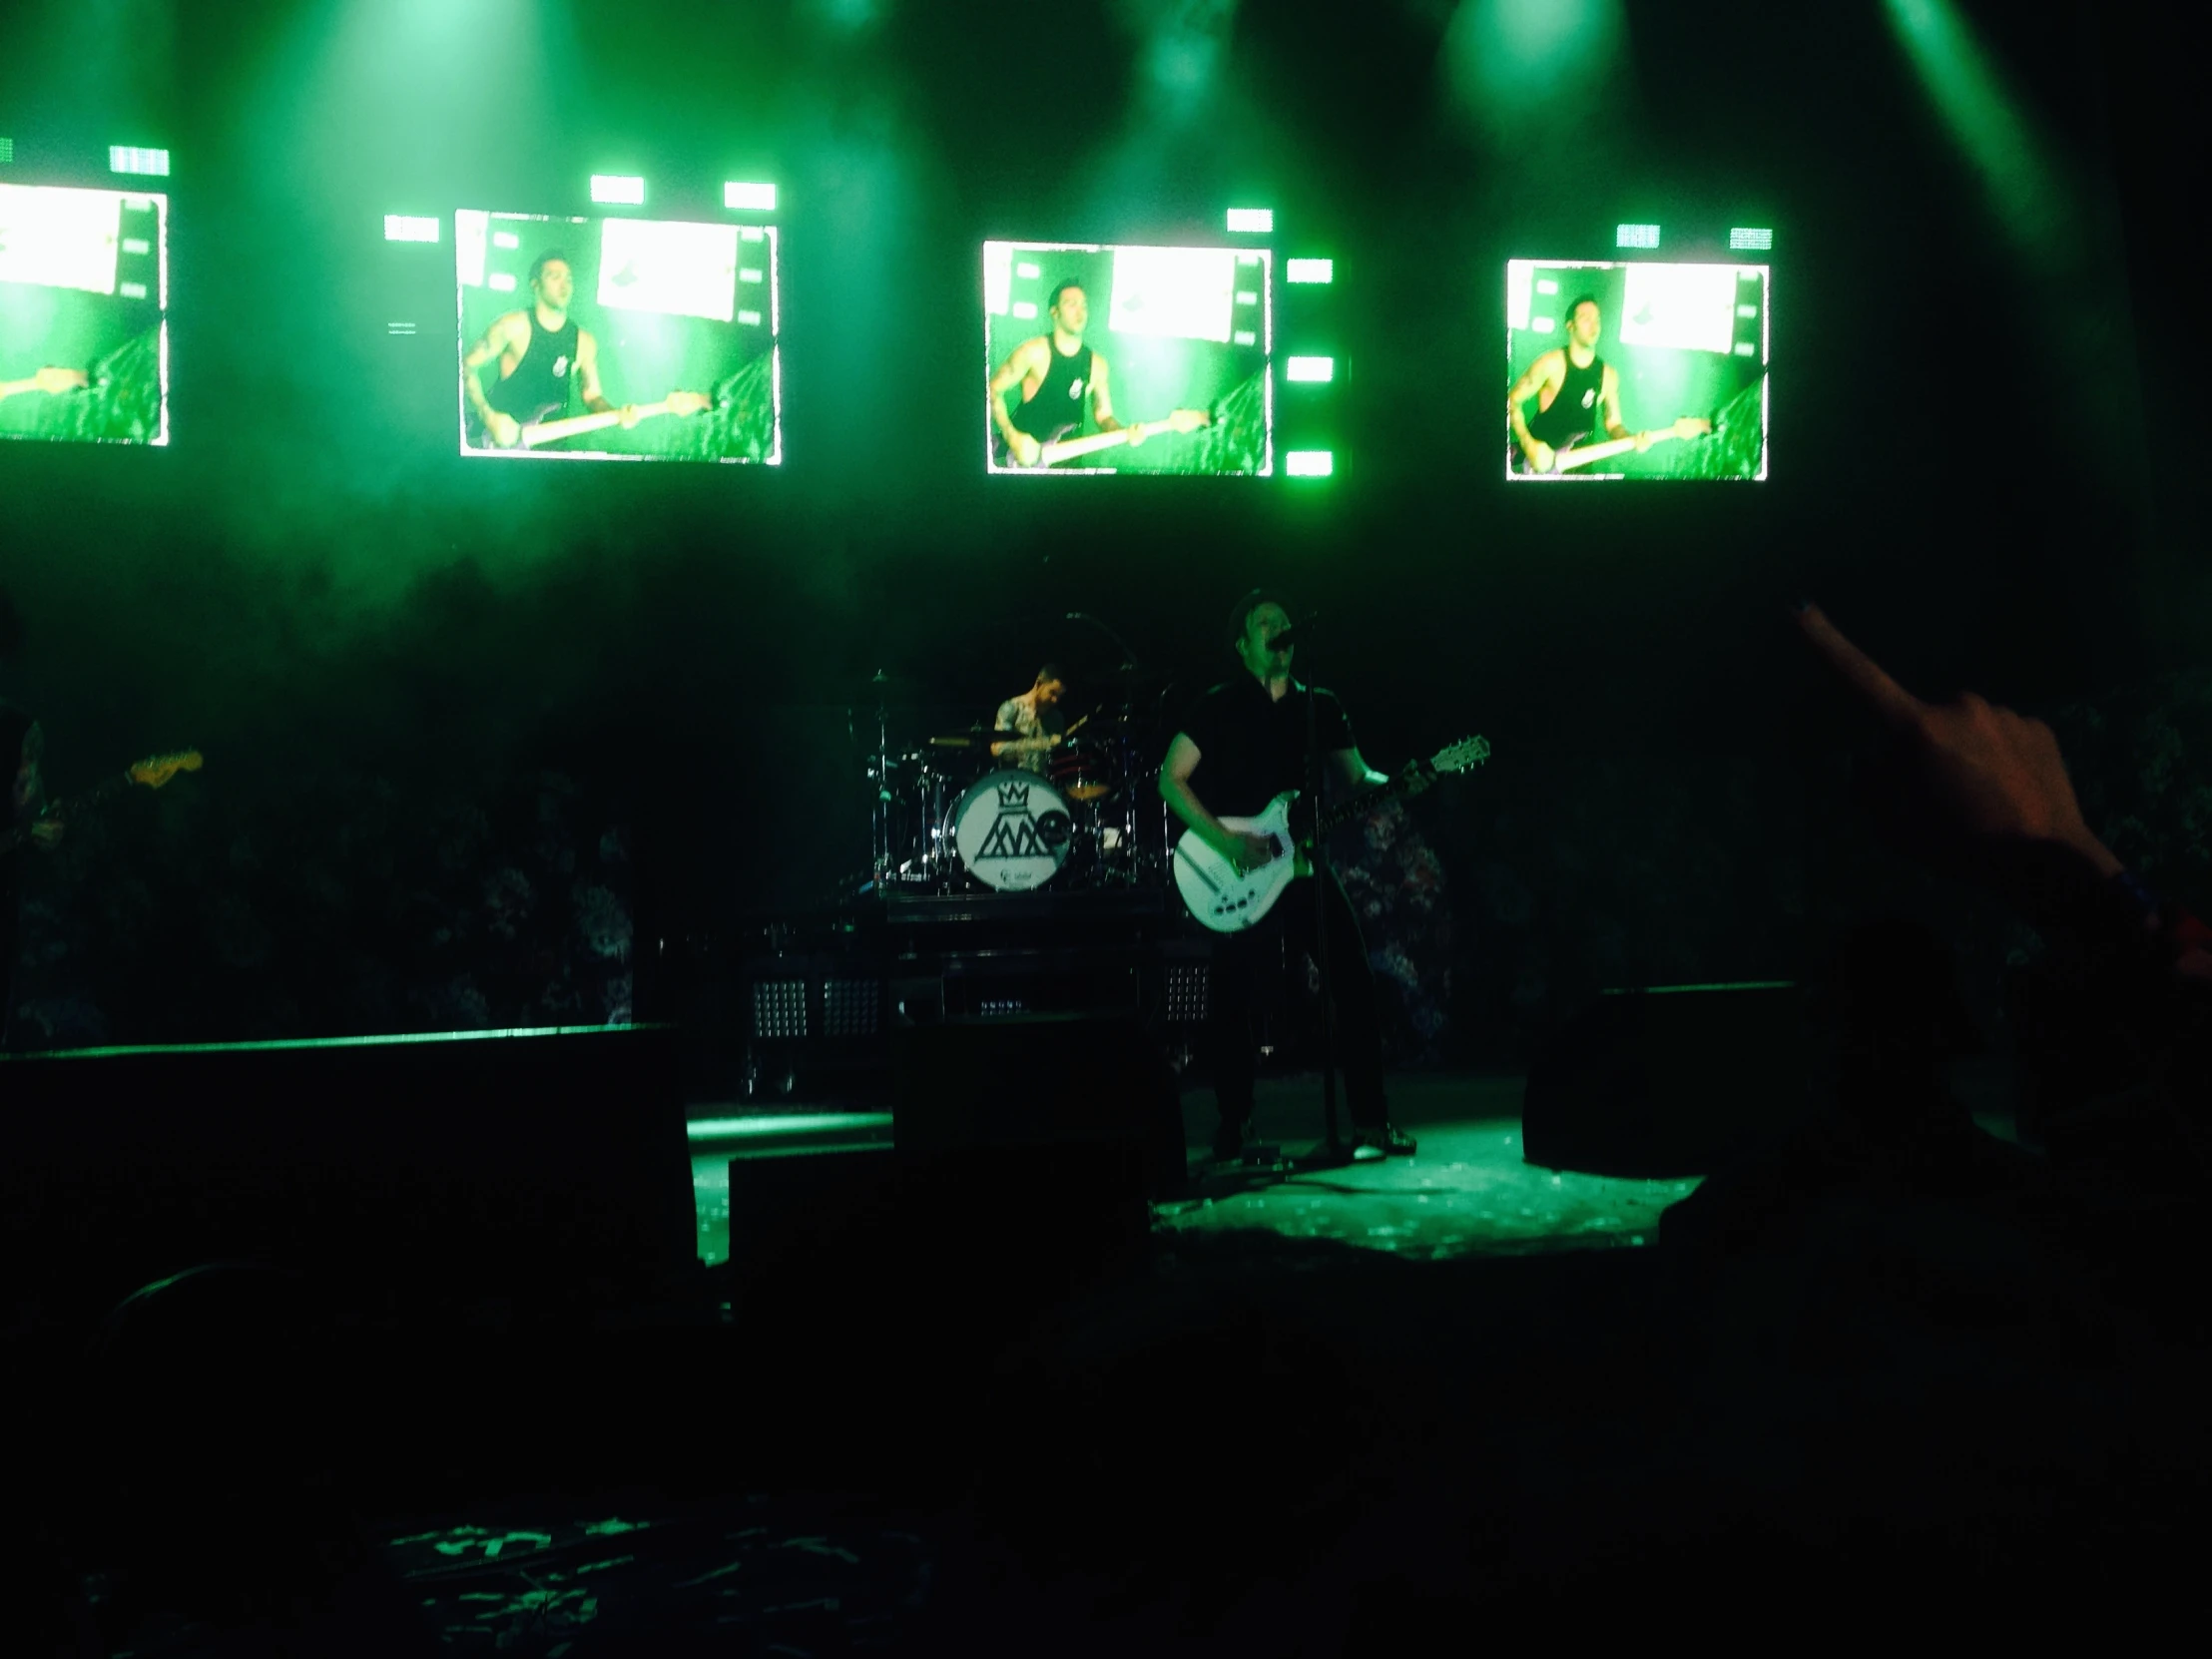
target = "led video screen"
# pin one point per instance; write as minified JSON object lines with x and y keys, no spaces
{"x":1635,"y":369}
{"x":83,"y":286}
{"x":617,"y":338}
{"x":1117,"y":360}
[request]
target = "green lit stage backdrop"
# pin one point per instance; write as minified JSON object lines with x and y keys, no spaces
{"x":83,"y":286}
{"x":1111,"y":360}
{"x":1635,"y":369}
{"x":617,"y":338}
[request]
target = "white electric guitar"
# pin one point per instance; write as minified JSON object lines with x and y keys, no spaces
{"x":1229,"y":902}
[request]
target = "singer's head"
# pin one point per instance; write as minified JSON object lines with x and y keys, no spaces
{"x":1254,"y":622}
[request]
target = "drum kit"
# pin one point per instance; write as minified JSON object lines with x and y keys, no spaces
{"x":952,"y":817}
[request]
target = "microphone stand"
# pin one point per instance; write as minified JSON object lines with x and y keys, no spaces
{"x":1330,"y":1154}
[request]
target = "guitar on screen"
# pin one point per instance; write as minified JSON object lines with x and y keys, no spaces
{"x":149,"y":774}
{"x":539,"y":430}
{"x":1576,"y":453}
{"x":1061,"y":447}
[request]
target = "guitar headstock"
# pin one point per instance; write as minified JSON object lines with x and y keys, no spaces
{"x":61,"y":379}
{"x":1692,"y":426}
{"x":160,"y":769}
{"x":1463,"y":756}
{"x":1190,"y":421}
{"x":689,"y":403}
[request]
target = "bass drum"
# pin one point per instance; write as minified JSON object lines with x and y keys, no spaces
{"x":1012,"y":829}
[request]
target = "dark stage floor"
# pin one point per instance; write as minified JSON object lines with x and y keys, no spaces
{"x":1466,"y":1192}
{"x":1409,"y":1407}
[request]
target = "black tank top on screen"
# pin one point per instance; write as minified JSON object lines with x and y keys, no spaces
{"x":1061,"y":401}
{"x":1575,"y":410}
{"x":541,"y":378}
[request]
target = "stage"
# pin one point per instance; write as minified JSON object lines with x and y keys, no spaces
{"x":1465,"y":1193}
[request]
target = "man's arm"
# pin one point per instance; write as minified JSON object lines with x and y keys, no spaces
{"x":587,"y":375}
{"x":1546,"y":371}
{"x":1610,"y":399}
{"x":1102,"y":401}
{"x":504,"y":429}
{"x":1245,"y":851}
{"x":1020,"y":364}
{"x":1042,"y":743}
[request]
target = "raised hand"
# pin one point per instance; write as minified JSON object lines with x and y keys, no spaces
{"x":1975,"y":788}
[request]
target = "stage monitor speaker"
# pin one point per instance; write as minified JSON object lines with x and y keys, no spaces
{"x":539,"y":1168}
{"x":1666,"y":1083}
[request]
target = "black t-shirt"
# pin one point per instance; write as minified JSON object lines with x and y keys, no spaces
{"x":1574,"y":411}
{"x":539,"y":385}
{"x":1250,"y":747}
{"x":1064,"y":398}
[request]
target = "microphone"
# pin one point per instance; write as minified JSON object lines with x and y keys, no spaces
{"x":1297,"y":634}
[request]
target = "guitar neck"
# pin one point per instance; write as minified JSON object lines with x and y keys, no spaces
{"x":552,"y":431}
{"x":1068,"y":448}
{"x":1362,"y":803}
{"x":1611,"y":446}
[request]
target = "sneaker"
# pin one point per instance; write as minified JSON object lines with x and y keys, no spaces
{"x":1381,"y":1140}
{"x":1231,"y":1139}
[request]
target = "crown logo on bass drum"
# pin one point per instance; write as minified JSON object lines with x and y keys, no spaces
{"x":1013,"y":798}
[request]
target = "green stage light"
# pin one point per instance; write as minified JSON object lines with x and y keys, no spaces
{"x":123,"y":158}
{"x":751,"y":199}
{"x":1318,"y":370}
{"x":1309,"y":271}
{"x":407,"y":228}
{"x":1758,"y":241}
{"x":1636,"y":235}
{"x":618,"y":189}
{"x":1985,"y":121}
{"x":1258,"y":221}
{"x":1309,"y":463}
{"x":7,"y":150}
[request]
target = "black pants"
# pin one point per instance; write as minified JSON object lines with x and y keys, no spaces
{"x":1248,"y":966}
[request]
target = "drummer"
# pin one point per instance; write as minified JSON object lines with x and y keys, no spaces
{"x":1030,"y":727}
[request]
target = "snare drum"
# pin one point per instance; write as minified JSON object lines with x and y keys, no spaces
{"x":1012,"y":829}
{"x":1081,"y":772}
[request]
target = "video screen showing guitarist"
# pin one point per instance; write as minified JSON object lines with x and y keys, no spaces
{"x":635,"y":339}
{"x":1239,"y":745}
{"x":1059,"y":380}
{"x":83,"y":315}
{"x":547,"y":361}
{"x":1126,"y":359}
{"x":1689,"y":337}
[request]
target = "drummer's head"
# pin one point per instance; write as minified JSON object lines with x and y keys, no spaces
{"x":1050,"y":687}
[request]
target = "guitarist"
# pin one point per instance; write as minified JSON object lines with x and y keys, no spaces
{"x":1242,"y":744}
{"x":542,"y":352}
{"x":1575,"y":389}
{"x":25,"y":746}
{"x":1060,"y":377}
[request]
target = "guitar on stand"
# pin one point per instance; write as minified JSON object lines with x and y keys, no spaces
{"x":538,"y":430}
{"x":1226,"y":901}
{"x":147,"y":774}
{"x":1576,"y":453}
{"x":1061,"y":447}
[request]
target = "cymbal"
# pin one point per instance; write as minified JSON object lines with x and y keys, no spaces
{"x":964,"y":741}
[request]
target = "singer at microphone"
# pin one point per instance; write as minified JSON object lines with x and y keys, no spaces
{"x":1238,"y":748}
